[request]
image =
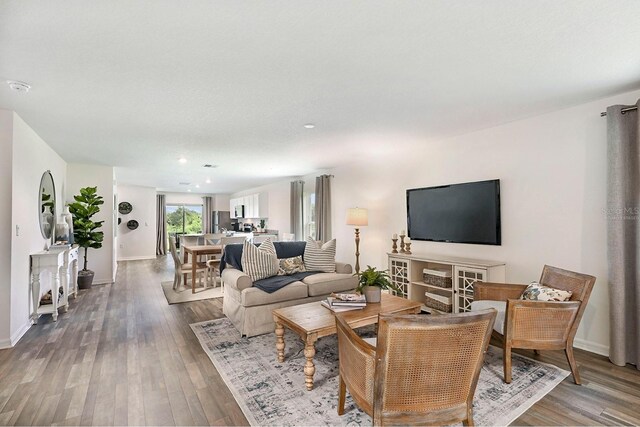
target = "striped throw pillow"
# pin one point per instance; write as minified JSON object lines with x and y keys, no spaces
{"x":259,"y":262}
{"x":319,"y":257}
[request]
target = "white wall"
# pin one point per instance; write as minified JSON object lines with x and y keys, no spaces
{"x":553,"y":193}
{"x":221,"y":202}
{"x":78,"y":176}
{"x":186,"y":198}
{"x":30,"y":158}
{"x":141,"y":242}
{"x":6,"y":146}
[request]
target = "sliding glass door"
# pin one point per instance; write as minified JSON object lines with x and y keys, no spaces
{"x":183,"y":219}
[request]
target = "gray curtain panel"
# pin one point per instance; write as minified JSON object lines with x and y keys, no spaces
{"x":623,"y":234}
{"x":207,"y":209}
{"x":297,"y":219}
{"x":323,"y":208}
{"x":161,"y":221}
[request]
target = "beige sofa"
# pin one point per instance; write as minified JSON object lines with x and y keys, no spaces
{"x":249,"y":308}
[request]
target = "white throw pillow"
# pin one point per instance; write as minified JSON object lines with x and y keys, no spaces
{"x":259,"y":262}
{"x":320,"y":257}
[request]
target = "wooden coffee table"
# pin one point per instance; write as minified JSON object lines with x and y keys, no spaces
{"x":312,"y":321}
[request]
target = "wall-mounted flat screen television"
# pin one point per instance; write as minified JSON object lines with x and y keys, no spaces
{"x":457,"y":213}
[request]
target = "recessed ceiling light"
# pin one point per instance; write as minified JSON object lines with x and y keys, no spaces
{"x":189,"y":190}
{"x":309,"y":126}
{"x":18,"y":86}
{"x":208,"y":181}
{"x":182,"y":160}
{"x":197,"y":185}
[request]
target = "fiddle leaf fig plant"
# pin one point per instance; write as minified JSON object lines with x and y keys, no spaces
{"x":85,"y":230}
{"x":373,"y":277}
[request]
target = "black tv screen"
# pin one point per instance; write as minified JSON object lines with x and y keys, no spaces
{"x":458,"y":213}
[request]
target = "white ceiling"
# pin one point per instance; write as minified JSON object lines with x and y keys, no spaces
{"x":138,"y":84}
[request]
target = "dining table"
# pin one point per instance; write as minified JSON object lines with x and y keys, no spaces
{"x":196,"y":251}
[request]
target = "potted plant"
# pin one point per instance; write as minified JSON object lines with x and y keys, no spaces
{"x":263,"y":224}
{"x":86,"y":205}
{"x":371,"y":282}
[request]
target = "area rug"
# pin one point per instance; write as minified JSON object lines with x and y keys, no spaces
{"x":272,"y":393}
{"x":183,"y":294}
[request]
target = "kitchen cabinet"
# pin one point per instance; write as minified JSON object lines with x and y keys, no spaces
{"x":255,"y":205}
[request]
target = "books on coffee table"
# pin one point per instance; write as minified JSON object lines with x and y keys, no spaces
{"x":345,"y":302}
{"x":355,"y":300}
{"x":338,"y":309}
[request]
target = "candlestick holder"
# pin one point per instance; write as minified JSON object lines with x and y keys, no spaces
{"x":402,"y":236}
{"x":395,"y":246}
{"x":407,"y":248}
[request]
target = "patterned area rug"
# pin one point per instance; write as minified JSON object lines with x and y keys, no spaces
{"x":274,"y":393}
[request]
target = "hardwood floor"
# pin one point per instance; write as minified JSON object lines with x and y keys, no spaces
{"x":122,"y":355}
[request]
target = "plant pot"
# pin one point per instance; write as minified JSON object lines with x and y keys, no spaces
{"x":85,"y":279}
{"x":372,"y":294}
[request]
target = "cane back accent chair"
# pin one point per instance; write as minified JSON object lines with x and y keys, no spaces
{"x":537,"y":325}
{"x":423,"y":370}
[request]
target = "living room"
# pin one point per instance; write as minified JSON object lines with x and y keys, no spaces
{"x":382,"y":98}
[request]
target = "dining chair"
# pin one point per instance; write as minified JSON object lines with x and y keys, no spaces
{"x":402,"y":381}
{"x":260,"y":238}
{"x":214,"y":264}
{"x":184,"y":268}
{"x":288,"y":237}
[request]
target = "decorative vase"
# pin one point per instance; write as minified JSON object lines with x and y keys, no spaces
{"x":62,"y":231}
{"x":47,"y":221}
{"x":68,"y":218}
{"x":372,"y":294}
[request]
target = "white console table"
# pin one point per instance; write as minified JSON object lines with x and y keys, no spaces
{"x":62,"y":266}
{"x":405,"y":271}
{"x":69,"y":271}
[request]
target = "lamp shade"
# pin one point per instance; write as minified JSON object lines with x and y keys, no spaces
{"x":357,"y":217}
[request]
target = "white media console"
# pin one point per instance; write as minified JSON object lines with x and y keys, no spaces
{"x":406,"y":272}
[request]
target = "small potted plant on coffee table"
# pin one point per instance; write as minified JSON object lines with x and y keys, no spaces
{"x":372,"y":281}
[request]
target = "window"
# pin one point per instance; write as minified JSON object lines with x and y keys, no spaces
{"x":184,"y":219}
{"x":309,"y":209}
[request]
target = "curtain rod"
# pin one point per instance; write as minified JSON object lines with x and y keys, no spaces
{"x":624,"y":110}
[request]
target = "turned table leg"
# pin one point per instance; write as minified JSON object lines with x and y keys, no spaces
{"x":280,"y":341}
{"x":309,"y":367}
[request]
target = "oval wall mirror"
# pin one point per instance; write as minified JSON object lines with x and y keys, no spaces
{"x":47,"y":205}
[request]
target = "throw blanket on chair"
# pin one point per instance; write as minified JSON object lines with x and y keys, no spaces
{"x":232,"y":256}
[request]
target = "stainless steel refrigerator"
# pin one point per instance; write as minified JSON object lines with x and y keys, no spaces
{"x":220,"y":220}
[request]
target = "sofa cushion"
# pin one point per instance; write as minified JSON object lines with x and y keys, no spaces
{"x":319,"y":257}
{"x":501,"y":306}
{"x":254,"y":296}
{"x":325,"y":283}
{"x":291,"y":265}
{"x":259,"y":262}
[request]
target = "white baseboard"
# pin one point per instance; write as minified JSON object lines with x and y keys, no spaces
{"x":103,"y":282}
{"x":8,"y":343}
{"x":591,"y":346}
{"x":136,"y":258}
{"x":20,"y":332}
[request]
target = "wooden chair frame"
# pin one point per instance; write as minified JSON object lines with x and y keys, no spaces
{"x":360,"y":361}
{"x":540,"y":325}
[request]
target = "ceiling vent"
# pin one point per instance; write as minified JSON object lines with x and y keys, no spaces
{"x":18,"y":86}
{"x":185,"y":183}
{"x":209,"y":166}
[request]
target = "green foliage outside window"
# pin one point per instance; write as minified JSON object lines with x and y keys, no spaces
{"x":183,"y":215}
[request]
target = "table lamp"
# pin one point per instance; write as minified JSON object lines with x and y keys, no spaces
{"x":357,"y":217}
